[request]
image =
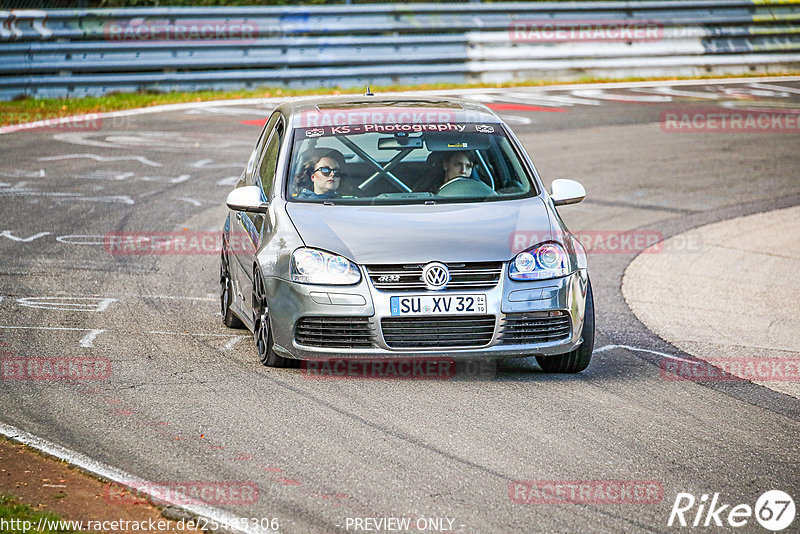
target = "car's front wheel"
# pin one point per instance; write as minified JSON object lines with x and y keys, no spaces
{"x":262,"y":332}
{"x":577,"y":360}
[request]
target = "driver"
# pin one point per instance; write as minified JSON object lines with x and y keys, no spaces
{"x":457,"y":165}
{"x":458,"y":172}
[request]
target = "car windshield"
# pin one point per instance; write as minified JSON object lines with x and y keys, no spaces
{"x":402,"y":163}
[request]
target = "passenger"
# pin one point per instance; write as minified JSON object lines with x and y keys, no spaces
{"x":319,"y":175}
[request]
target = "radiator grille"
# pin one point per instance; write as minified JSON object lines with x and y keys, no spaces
{"x":427,"y":332}
{"x":535,"y":327}
{"x":484,"y":275}
{"x":335,"y":332}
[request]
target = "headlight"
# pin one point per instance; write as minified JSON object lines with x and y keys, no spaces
{"x":310,"y":266}
{"x":548,"y":260}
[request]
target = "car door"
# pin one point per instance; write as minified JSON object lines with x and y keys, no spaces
{"x":238,"y":238}
{"x":255,"y":225}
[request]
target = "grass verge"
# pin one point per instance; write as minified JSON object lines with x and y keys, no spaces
{"x":28,"y":110}
{"x":20,"y":518}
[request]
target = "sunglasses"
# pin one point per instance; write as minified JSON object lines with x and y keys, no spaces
{"x":326,"y":171}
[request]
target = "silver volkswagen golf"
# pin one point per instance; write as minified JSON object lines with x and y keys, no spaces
{"x":374,"y":227}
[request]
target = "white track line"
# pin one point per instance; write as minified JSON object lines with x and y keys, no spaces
{"x":233,"y":341}
{"x":637,"y":349}
{"x":102,"y":159}
{"x":112,"y":474}
{"x":776,"y":88}
{"x":186,"y":334}
{"x":9,"y":327}
{"x":619,"y":85}
{"x":87,"y":341}
{"x":208,"y":299}
{"x":274,"y":101}
{"x":191,"y":201}
{"x":134,"y":296}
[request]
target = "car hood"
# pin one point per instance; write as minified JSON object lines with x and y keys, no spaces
{"x":491,"y":231}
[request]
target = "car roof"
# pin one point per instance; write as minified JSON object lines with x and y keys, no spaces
{"x":395,"y":108}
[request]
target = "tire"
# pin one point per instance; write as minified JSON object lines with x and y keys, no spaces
{"x":262,"y":332}
{"x":226,"y":294}
{"x":577,"y":360}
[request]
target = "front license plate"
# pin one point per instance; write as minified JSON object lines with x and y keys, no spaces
{"x":438,"y":305}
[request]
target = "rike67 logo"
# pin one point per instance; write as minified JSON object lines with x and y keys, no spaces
{"x":774,"y":510}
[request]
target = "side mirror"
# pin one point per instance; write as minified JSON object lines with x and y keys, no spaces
{"x":247,"y":198}
{"x":564,"y":192}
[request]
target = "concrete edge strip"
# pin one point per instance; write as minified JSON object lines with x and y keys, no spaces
{"x":671,"y":342}
{"x":226,"y":520}
{"x":256,"y":101}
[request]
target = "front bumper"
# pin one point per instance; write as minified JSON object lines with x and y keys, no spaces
{"x":289,"y":302}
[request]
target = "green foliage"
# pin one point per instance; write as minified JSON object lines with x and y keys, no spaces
{"x":11,"y":510}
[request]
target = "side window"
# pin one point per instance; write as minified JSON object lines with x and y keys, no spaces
{"x":269,"y":160}
{"x":251,"y":163}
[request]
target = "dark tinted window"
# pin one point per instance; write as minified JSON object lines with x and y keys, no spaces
{"x":269,"y":161}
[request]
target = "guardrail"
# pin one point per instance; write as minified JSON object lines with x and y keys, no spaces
{"x":95,"y":51}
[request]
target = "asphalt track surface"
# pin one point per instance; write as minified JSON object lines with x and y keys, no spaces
{"x":187,"y":399}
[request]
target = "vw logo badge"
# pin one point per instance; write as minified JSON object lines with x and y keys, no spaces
{"x":435,"y":275}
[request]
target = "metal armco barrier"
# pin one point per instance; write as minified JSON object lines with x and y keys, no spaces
{"x":96,"y":51}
